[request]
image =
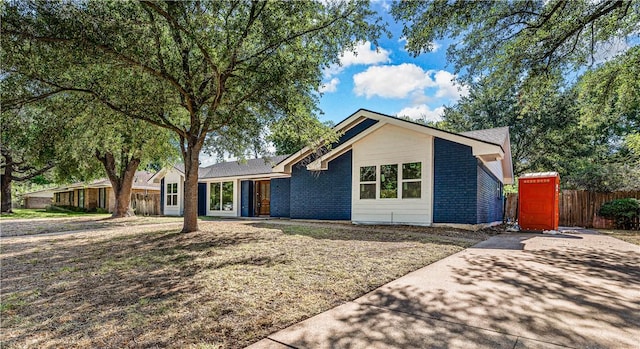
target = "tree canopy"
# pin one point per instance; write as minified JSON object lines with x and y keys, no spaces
{"x":195,"y":68}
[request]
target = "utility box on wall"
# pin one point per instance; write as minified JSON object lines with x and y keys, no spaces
{"x":538,"y":201}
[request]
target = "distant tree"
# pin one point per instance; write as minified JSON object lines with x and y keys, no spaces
{"x":530,"y":44}
{"x":204,"y":67}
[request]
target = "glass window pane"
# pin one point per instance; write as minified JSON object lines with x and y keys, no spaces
{"x":368,"y":174}
{"x":411,"y":190}
{"x":214,"y":198}
{"x":227,"y":196}
{"x":412,"y":170}
{"x":388,"y":181}
{"x":175,"y":188}
{"x":368,"y":191}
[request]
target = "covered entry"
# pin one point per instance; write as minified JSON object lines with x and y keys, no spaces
{"x":263,"y":198}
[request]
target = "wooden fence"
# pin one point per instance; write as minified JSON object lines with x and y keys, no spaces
{"x":145,"y":204}
{"x":578,"y":208}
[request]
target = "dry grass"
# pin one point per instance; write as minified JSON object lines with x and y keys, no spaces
{"x":226,"y":286}
{"x":43,"y":226}
{"x":631,"y":236}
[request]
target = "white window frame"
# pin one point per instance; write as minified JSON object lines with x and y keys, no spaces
{"x":220,"y":185}
{"x":172,"y":194}
{"x":374,"y":182}
{"x":402,"y":180}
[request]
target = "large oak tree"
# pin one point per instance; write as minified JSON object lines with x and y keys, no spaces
{"x":206,"y":67}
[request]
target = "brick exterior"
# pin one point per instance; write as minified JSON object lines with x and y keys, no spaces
{"x":246,"y":199}
{"x":202,"y":199}
{"x":490,"y":198}
{"x":280,"y":194}
{"x":324,"y":195}
{"x":455,"y":183}
{"x":354,"y":131}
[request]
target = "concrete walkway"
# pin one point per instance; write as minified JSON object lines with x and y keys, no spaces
{"x":576,"y":290}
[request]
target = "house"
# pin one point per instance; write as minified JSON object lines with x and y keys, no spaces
{"x":37,"y":199}
{"x":99,"y":194}
{"x":382,"y":170}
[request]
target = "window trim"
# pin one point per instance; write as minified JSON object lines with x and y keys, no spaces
{"x":172,"y":194}
{"x":399,"y":181}
{"x":220,"y":185}
{"x":374,"y":182}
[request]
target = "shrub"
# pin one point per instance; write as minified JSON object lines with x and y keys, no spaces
{"x":624,"y":211}
{"x":57,"y":209}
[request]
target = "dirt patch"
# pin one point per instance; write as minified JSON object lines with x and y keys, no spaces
{"x":227,"y":286}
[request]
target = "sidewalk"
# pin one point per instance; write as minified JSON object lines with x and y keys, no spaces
{"x":577,"y":290}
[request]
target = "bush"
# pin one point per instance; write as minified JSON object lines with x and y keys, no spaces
{"x":57,"y":209}
{"x":624,"y":211}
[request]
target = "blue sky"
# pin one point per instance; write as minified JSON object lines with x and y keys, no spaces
{"x":389,"y":80}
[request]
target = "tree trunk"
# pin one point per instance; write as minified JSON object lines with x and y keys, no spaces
{"x":6,"y":179}
{"x":191,"y":164}
{"x":121,"y":183}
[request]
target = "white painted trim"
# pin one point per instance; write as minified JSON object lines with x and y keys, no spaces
{"x":264,"y":176}
{"x":236,"y":198}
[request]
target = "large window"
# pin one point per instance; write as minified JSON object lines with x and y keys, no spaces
{"x":71,"y":201}
{"x":368,"y":182}
{"x":410,"y":185}
{"x":81,"y":198}
{"x":172,"y":194}
{"x":411,"y":180}
{"x":389,"y":181}
{"x":57,"y":198}
{"x":221,"y":196}
{"x":102,"y":197}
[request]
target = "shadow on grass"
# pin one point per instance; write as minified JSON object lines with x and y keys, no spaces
{"x":577,"y":297}
{"x":364,"y":234}
{"x":73,"y":289}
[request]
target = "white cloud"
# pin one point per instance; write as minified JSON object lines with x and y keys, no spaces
{"x":407,"y":79}
{"x":605,"y":51}
{"x":330,"y":86}
{"x":422,"y":112}
{"x":364,"y":54}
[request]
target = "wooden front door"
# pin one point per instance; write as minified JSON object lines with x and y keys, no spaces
{"x":263,"y":197}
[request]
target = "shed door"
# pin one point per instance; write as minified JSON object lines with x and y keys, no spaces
{"x":263,"y":197}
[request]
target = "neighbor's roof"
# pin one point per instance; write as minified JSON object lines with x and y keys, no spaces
{"x":140,"y":181}
{"x":493,"y":135}
{"x":240,"y":168}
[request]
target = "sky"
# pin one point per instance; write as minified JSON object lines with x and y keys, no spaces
{"x":389,"y":80}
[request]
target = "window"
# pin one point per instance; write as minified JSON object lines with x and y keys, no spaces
{"x":57,"y":198}
{"x":411,"y":180}
{"x":368,"y":182}
{"x":389,"y":181}
{"x":71,"y":201}
{"x":221,"y":196}
{"x":102,"y":197}
{"x":81,"y":198}
{"x":172,"y":194}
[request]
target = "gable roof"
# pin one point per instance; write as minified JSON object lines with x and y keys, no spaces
{"x":236,"y":168}
{"x":488,"y":145}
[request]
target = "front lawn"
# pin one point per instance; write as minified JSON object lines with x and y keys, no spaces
{"x":226,"y":286}
{"x":30,"y":213}
{"x":631,"y":236}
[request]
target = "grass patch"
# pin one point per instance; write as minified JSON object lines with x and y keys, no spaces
{"x":631,"y":236}
{"x":28,"y":213}
{"x":226,"y":286}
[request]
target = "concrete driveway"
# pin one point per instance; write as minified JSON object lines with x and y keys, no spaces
{"x":574,"y":290}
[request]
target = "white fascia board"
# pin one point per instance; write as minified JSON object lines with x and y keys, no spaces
{"x":507,"y":163}
{"x":257,"y":176}
{"x":321,"y":163}
{"x":345,"y":125}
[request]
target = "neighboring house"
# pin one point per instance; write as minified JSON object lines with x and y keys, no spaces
{"x":38,"y":199}
{"x":99,"y":194}
{"x":382,"y":170}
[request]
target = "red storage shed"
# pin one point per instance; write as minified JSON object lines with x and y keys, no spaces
{"x":538,"y":198}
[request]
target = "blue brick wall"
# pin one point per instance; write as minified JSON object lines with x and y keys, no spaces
{"x":324,"y":195}
{"x":354,"y":131}
{"x":280,"y":194}
{"x":162,"y":196}
{"x":455,"y":178}
{"x":202,"y":199}
{"x":246,"y":199}
{"x":490,"y":198}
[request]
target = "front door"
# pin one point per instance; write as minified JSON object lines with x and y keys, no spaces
{"x":263,"y":197}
